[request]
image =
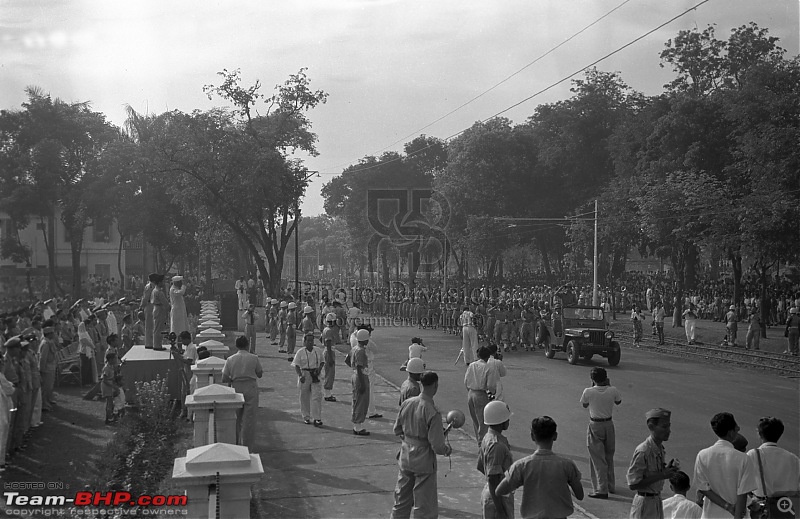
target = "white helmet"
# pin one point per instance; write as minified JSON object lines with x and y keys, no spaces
{"x":415,"y":365}
{"x":793,"y":310}
{"x":308,"y":310}
{"x":496,"y":412}
{"x":292,"y":305}
{"x":362,"y":335}
{"x":330,"y":317}
{"x":274,"y":301}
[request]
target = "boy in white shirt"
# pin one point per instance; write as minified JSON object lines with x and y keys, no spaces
{"x":414,"y":351}
{"x":678,"y":506}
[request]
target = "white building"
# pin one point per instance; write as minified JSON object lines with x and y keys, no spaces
{"x":99,"y":256}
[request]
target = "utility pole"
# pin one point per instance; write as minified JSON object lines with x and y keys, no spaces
{"x":595,"y":301}
{"x":297,"y":252}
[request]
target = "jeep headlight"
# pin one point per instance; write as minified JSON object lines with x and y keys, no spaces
{"x":585,"y":334}
{"x":609,"y":335}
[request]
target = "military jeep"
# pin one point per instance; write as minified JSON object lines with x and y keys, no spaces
{"x":579,"y":331}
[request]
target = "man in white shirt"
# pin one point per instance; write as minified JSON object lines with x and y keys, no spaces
{"x":480,"y":380}
{"x":781,"y":468}
{"x":601,"y":436}
{"x":308,"y":363}
{"x":678,"y":506}
{"x":722,"y":474}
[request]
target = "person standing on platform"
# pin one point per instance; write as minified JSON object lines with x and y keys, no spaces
{"x":160,"y":312}
{"x":86,"y":348}
{"x":282,"y":327}
{"x":600,"y":437}
{"x":249,"y":317}
{"x":327,"y":338}
{"x":411,"y":387}
{"x":419,"y":426}
{"x":648,"y":470}
{"x":291,"y":329}
{"x":360,"y":381}
{"x":178,"y":321}
{"x":480,"y":381}
{"x":241,"y":292}
{"x":469,"y":335}
{"x":308,"y":363}
{"x":147,"y":306}
{"x":242,"y":370}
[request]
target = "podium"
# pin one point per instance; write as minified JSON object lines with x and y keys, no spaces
{"x":142,"y":365}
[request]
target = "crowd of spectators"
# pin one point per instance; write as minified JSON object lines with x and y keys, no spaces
{"x":44,"y":340}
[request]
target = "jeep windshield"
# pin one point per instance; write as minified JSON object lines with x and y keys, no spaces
{"x":595,"y":314}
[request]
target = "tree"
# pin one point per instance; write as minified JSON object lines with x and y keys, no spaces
{"x":236,"y":165}
{"x":54,"y":147}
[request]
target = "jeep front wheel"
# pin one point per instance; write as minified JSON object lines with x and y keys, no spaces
{"x":572,"y":352}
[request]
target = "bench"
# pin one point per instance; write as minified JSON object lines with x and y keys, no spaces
{"x":68,"y":364}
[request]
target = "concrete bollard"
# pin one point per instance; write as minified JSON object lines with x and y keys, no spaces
{"x":217,"y":479}
{"x":210,"y":333}
{"x":208,"y":371}
{"x":214,"y":407}
{"x":216,"y":348}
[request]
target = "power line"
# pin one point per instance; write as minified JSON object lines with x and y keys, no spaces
{"x":451,"y":112}
{"x":549,"y":87}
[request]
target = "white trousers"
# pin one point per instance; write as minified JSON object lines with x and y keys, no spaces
{"x":310,"y":398}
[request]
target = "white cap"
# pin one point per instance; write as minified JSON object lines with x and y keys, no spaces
{"x":362,"y":335}
{"x":415,"y":365}
{"x":177,"y":278}
{"x":496,"y":412}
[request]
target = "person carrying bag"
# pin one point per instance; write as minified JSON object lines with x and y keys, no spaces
{"x":780,"y":505}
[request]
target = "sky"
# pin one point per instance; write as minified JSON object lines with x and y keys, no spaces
{"x":390,"y":67}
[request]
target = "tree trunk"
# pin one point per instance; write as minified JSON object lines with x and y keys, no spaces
{"x":736,"y":267}
{"x":50,"y":243}
{"x":119,"y":262}
{"x":763,"y":269}
{"x":75,"y":246}
{"x":678,"y":257}
{"x":691,"y":267}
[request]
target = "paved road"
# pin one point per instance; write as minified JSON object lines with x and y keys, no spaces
{"x":537,"y":386}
